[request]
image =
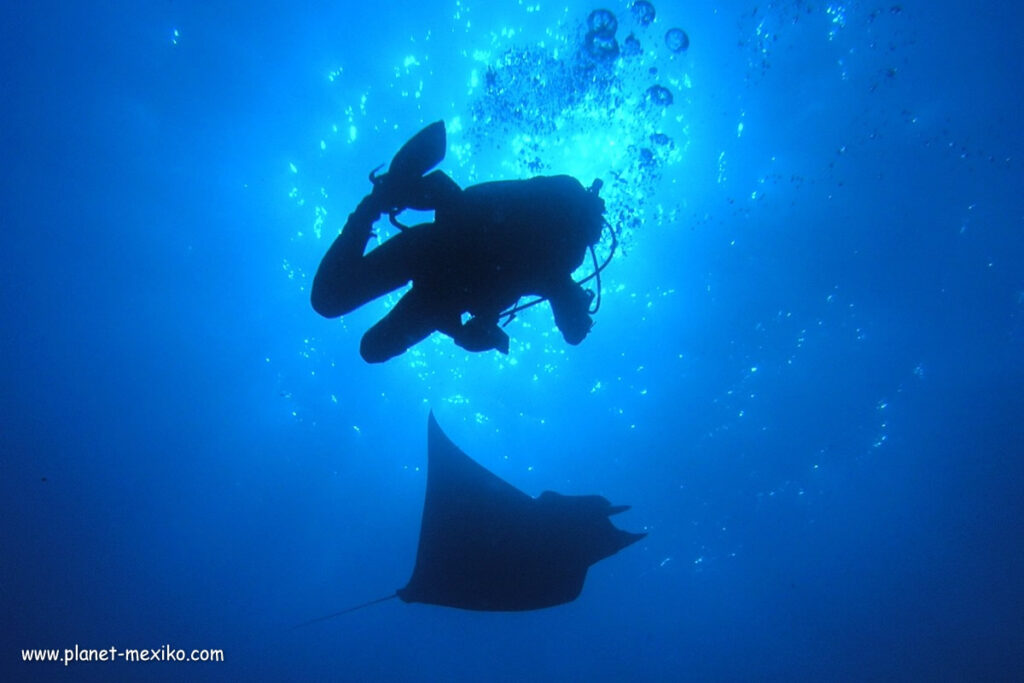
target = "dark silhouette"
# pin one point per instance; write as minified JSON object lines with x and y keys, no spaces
{"x":489,"y":245}
{"x":486,"y":545}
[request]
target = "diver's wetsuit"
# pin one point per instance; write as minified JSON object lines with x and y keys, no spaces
{"x":485,"y":250}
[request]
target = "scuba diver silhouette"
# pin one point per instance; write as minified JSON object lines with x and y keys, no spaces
{"x":489,"y":245}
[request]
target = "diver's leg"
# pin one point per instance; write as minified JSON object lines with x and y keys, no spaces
{"x":409,"y":322}
{"x":336,"y":285}
{"x":346,"y":279}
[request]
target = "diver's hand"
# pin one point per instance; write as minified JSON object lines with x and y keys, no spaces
{"x":480,"y":333}
{"x":570,"y":305}
{"x":575,"y":327}
{"x":372,"y":205}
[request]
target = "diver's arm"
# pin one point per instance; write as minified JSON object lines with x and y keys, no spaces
{"x":570,"y":304}
{"x":331,"y":292}
{"x":479,"y":333}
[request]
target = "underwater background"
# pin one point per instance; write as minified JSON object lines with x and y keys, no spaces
{"x":806,"y":375}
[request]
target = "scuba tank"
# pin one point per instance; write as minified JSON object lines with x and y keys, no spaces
{"x":538,"y":209}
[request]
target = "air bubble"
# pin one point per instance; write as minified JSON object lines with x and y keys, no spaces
{"x":643,"y":12}
{"x":603,"y":22}
{"x":659,"y":95}
{"x":677,"y":40}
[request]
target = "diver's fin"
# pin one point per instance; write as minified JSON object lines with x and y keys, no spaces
{"x":422,"y":152}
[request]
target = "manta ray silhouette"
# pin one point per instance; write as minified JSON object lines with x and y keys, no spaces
{"x":486,"y":545}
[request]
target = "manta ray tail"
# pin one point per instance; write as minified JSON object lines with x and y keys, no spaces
{"x":346,"y":611}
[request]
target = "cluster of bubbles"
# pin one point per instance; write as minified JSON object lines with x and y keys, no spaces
{"x":600,"y":41}
{"x":589,"y":98}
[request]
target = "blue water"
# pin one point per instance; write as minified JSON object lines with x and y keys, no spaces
{"x":806,"y":376}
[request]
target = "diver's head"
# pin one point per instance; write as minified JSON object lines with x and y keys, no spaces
{"x":591,"y":212}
